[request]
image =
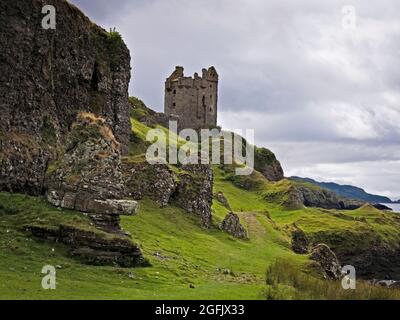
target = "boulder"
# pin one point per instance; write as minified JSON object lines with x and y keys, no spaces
{"x":327,"y":261}
{"x":231,"y":224}
{"x":115,"y":207}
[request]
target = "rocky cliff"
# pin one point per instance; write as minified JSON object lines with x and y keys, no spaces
{"x":46,"y":78}
{"x":65,"y":122}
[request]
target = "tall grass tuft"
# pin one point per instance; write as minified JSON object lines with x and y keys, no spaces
{"x":286,"y":282}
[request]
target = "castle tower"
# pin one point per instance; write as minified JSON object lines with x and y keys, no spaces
{"x":192,"y":101}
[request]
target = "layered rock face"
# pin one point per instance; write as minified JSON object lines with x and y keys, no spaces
{"x":190,"y":188}
{"x":194,"y":192}
{"x":46,"y":78}
{"x":155,"y":181}
{"x":88,"y":177}
{"x":94,"y":247}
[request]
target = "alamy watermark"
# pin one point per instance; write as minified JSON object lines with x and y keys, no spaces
{"x":193,"y":147}
{"x":349,"y":20}
{"x":349,"y":277}
{"x":49,"y":280}
{"x":49,"y":20}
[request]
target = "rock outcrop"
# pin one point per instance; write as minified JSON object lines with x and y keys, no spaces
{"x":46,"y":78}
{"x":266,"y":163}
{"x":327,"y":261}
{"x":88,"y":176}
{"x":190,"y":187}
{"x":93,"y":247}
{"x":146,"y":115}
{"x":231,"y":224}
{"x":157,"y":181}
{"x":194,"y":192}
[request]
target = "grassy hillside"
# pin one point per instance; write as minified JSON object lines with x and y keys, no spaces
{"x":181,"y":254}
{"x":187,"y":261}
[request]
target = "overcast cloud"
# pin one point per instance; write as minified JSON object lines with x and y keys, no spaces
{"x":324,"y":98}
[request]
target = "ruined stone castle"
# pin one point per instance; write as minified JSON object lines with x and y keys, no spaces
{"x":192,"y":101}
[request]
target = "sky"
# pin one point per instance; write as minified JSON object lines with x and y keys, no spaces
{"x":318,"y":81}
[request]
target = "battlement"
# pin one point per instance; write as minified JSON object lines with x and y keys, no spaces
{"x":192,"y":101}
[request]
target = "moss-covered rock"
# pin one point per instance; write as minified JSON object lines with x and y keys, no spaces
{"x":266,"y":163}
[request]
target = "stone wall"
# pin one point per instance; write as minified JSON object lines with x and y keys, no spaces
{"x":192,"y":101}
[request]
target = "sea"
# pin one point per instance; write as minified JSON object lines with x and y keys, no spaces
{"x":394,"y":206}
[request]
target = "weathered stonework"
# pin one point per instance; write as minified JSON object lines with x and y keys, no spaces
{"x":192,"y":101}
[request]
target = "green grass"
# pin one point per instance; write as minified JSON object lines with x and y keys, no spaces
{"x":182,"y":253}
{"x":286,"y":282}
{"x":187,"y":254}
{"x":179,"y":250}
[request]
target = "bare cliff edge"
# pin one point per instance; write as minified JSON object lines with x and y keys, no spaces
{"x":46,"y":78}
